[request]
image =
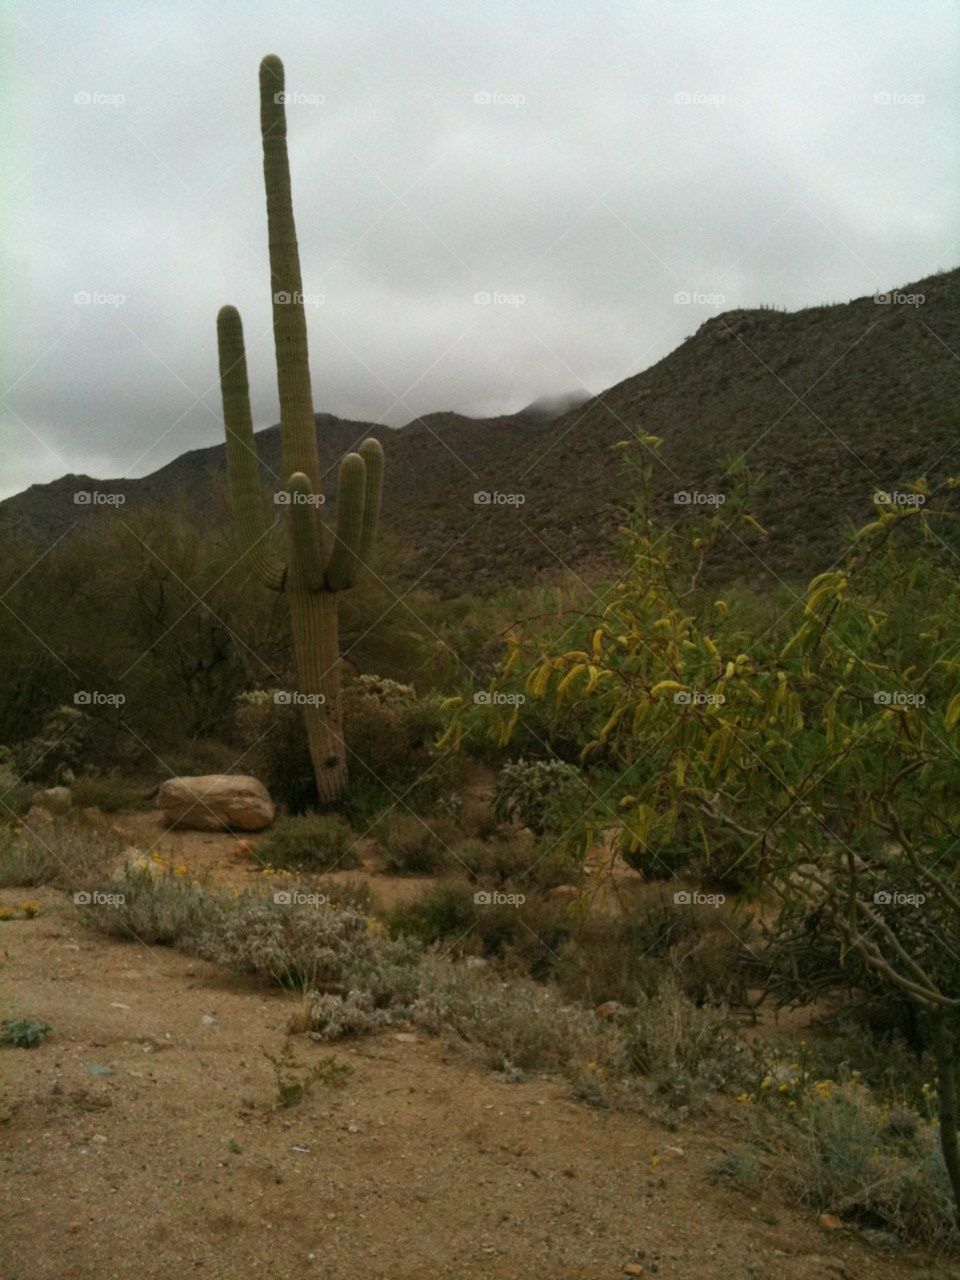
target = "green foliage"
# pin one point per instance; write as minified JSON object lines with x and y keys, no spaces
{"x":515,"y":1026}
{"x":517,"y":929}
{"x":64,"y":854}
{"x":411,"y":846}
{"x":24,"y":1033}
{"x":308,"y":842}
{"x":111,"y":794}
{"x":294,"y":1080}
{"x":56,"y":751}
{"x":845,"y":1156}
{"x":391,"y":733}
{"x":816,"y":755}
{"x":543,"y":795}
{"x":689,"y":1050}
{"x":525,"y":863}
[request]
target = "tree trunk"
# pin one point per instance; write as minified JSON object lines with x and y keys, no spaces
{"x":944,"y":1049}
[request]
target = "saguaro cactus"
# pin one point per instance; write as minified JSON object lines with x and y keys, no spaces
{"x":313,"y":572}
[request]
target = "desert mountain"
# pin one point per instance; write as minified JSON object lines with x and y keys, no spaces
{"x":830,"y":404}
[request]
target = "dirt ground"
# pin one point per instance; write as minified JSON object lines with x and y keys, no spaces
{"x":140,"y":1141}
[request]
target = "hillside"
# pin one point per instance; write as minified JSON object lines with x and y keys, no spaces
{"x":829,"y":403}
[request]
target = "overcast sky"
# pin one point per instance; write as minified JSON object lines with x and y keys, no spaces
{"x":579,"y":164}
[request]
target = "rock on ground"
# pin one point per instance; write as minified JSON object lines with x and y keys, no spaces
{"x":216,"y":802}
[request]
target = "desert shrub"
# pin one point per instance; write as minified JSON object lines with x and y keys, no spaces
{"x":63,"y":853}
{"x":520,"y":932}
{"x":846,"y":1157}
{"x":739,"y":1168}
{"x":687,"y":1051}
{"x":24,"y":1033}
{"x":629,"y":956}
{"x":15,"y":794}
{"x":447,"y":911}
{"x":200,"y":756}
{"x":292,"y":938}
{"x":523,"y":862}
{"x":304,"y":945}
{"x":155,"y":908}
{"x":389,"y":733}
{"x":109,"y":794}
{"x":510,"y":1026}
{"x":411,"y":846}
{"x":815,"y":758}
{"x":476,"y":817}
{"x":277,"y":752}
{"x":55,"y":752}
{"x":894,"y":1070}
{"x":543,"y":795}
{"x":308,"y":842}
{"x":294,"y":1080}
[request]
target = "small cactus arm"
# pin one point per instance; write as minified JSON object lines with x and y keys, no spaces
{"x":313,"y":574}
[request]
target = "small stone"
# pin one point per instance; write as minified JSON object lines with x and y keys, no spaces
{"x":406,"y":1037}
{"x":562,"y":893}
{"x":56,"y":799}
{"x":633,"y":1269}
{"x":209,"y":1019}
{"x":613,"y":1011}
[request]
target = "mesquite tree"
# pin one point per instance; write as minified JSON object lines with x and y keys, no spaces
{"x":313,"y":571}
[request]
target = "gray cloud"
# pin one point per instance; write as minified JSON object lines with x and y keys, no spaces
{"x":581,"y":192}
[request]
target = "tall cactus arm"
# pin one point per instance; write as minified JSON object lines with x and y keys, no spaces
{"x":297,"y":426}
{"x":307,"y":541}
{"x":371,"y":452}
{"x":344,"y":567}
{"x":243,"y":474}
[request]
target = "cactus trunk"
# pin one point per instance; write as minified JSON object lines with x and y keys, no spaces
{"x":311,"y":577}
{"x":317,"y":649}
